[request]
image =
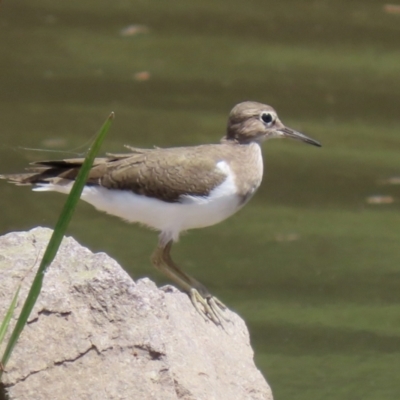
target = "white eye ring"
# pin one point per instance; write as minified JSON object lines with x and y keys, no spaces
{"x":267,"y":118}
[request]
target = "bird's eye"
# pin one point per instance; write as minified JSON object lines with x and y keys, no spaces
{"x":267,"y":118}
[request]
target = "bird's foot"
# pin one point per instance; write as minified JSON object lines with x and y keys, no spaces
{"x":209,"y":307}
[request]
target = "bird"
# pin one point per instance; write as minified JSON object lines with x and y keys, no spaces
{"x":172,"y":190}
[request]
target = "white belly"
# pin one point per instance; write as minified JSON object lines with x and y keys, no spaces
{"x":156,"y":214}
{"x":169,"y":218}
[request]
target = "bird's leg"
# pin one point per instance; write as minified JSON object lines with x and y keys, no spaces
{"x":207,"y":305}
{"x":198,"y":293}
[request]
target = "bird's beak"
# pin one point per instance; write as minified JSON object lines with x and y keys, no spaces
{"x":290,"y":133}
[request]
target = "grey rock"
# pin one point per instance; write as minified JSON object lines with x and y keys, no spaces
{"x":96,"y":334}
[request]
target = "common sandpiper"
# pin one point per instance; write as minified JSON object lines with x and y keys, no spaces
{"x":175,"y":189}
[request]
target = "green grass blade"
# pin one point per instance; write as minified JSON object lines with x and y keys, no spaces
{"x":55,"y":240}
{"x":6,"y":321}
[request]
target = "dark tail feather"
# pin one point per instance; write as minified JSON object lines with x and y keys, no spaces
{"x":37,"y":175}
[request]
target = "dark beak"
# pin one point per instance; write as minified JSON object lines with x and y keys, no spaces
{"x":290,"y":133}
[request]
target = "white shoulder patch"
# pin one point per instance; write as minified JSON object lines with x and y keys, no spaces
{"x":228,"y":186}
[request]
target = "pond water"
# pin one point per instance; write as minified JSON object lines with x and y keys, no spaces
{"x":312,"y":263}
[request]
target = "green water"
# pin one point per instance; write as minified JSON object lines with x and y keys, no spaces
{"x":312,"y":267}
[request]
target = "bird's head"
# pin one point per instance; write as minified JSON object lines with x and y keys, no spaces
{"x":255,"y":122}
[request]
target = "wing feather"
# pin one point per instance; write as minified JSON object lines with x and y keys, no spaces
{"x":166,"y":174}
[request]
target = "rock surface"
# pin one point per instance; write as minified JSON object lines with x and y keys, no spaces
{"x":96,"y":334}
